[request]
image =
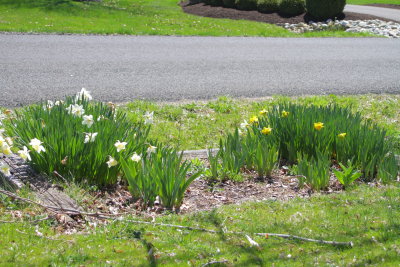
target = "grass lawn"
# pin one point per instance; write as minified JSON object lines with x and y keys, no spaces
{"x":145,"y":17}
{"x":366,"y":215}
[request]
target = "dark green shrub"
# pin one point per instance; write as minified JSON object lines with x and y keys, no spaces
{"x":268,"y":6}
{"x":229,"y":3}
{"x":214,"y":2}
{"x":292,"y":7}
{"x":325,"y":9}
{"x":246,"y":4}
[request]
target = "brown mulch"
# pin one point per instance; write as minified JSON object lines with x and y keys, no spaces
{"x":201,"y":9}
{"x":202,"y":196}
{"x":385,"y":6}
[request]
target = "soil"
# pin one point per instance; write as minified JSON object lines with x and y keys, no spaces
{"x":202,"y":196}
{"x":201,"y":9}
{"x":386,"y":6}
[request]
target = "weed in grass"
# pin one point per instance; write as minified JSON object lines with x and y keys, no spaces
{"x":348,"y":174}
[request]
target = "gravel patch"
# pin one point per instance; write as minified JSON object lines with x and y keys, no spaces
{"x":378,"y":27}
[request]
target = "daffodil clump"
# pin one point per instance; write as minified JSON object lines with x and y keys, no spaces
{"x":79,"y":138}
{"x":314,"y":134}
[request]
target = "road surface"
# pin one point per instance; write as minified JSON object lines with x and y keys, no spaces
{"x":124,"y":68}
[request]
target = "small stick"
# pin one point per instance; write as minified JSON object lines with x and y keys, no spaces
{"x":110,"y":216}
{"x":213,"y":262}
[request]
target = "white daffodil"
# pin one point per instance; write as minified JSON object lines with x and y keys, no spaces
{"x":111,"y":162}
{"x":6,"y":149}
{"x":9,"y":141}
{"x":244,"y":125}
{"x":24,"y":154}
{"x":88,"y":120}
{"x":83,"y":94}
{"x":76,"y":110}
{"x":135,"y":157}
{"x":5,"y":169}
{"x":37,"y":145}
{"x":2,"y":141}
{"x":120,"y":145}
{"x":101,"y":117}
{"x":151,"y":149}
{"x":58,"y":102}
{"x":49,"y":105}
{"x":90,"y":137}
{"x":148,"y":117}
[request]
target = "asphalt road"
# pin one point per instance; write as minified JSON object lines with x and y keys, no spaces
{"x":123,"y":68}
{"x":389,"y":13}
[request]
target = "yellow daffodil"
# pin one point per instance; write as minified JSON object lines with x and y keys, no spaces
{"x":254,"y":120}
{"x":266,"y":130}
{"x":285,"y":113}
{"x":342,"y":135}
{"x":318,"y":125}
{"x":263,"y":112}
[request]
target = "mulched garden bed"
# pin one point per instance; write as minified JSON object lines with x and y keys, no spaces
{"x":202,"y":196}
{"x":201,"y":9}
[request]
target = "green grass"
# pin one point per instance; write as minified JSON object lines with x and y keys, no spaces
{"x":366,"y":2}
{"x":144,"y":17}
{"x":366,"y":215}
{"x":201,"y":125}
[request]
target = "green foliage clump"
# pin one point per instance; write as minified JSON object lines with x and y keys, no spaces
{"x":347,"y":175}
{"x":75,"y":146}
{"x":343,"y":135}
{"x":214,"y":2}
{"x":292,"y":7}
{"x":246,"y":4}
{"x":325,"y":9}
{"x":160,"y":173}
{"x":268,"y":6}
{"x":229,"y":3}
{"x":314,"y":171}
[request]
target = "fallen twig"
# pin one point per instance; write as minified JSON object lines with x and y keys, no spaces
{"x":334,"y":243}
{"x":213,"y":262}
{"x":112,"y":216}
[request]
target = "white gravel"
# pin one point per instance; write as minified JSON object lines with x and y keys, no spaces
{"x":378,"y":27}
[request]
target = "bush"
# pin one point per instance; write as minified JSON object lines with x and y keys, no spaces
{"x":229,"y":3}
{"x":325,"y":9}
{"x":268,"y":6}
{"x":77,"y":138}
{"x":292,"y":7}
{"x":214,"y":2}
{"x":246,"y":4}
